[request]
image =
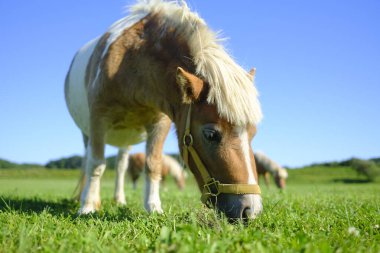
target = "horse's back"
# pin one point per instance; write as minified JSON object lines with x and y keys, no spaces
{"x":122,"y":131}
{"x":75,"y":86}
{"x":264,"y":163}
{"x":172,"y":166}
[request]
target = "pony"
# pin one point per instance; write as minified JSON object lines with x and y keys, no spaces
{"x":266,"y":166}
{"x":162,"y":64}
{"x":169,"y":166}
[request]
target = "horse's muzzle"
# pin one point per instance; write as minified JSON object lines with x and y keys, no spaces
{"x":239,"y":206}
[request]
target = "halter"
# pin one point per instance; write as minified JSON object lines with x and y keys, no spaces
{"x":211,"y":187}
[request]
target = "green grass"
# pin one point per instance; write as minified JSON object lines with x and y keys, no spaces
{"x":314,"y":214}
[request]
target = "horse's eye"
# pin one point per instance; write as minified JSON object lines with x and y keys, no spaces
{"x":212,"y":135}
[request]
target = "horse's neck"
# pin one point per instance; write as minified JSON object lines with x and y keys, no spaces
{"x":272,"y":169}
{"x":139,"y":71}
{"x":165,"y":52}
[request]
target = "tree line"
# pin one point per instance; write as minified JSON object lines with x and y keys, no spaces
{"x":368,"y":168}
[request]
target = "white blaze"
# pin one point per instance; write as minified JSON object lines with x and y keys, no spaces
{"x":255,"y":199}
{"x":243,"y":136}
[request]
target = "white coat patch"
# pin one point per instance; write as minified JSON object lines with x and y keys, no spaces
{"x":77,"y":95}
{"x":243,"y":136}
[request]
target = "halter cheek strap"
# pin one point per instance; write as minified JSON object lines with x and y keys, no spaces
{"x":211,"y":187}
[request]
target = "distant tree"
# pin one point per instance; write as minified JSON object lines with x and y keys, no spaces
{"x":346,"y":162}
{"x":376,"y":160}
{"x":4,"y":164}
{"x":111,"y":162}
{"x":72,"y":162}
{"x":30,"y":165}
{"x":367,"y":168}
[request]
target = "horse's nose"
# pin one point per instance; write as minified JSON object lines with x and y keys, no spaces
{"x":247,"y":213}
{"x":235,"y":207}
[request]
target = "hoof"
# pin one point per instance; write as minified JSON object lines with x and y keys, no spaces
{"x":89,"y":208}
{"x":154,"y":208}
{"x":120,"y":201}
{"x":86,"y":210}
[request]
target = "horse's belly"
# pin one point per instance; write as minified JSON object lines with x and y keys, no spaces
{"x":125,"y":137}
{"x":75,"y":87}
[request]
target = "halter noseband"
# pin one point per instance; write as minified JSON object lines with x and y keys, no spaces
{"x":211,"y":187}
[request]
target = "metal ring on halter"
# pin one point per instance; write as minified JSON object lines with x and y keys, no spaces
{"x":187,"y":140}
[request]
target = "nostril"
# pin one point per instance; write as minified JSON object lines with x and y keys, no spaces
{"x":246,"y":214}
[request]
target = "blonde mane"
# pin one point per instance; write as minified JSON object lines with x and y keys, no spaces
{"x":231,"y":89}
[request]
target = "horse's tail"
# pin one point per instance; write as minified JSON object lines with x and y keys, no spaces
{"x":175,"y":169}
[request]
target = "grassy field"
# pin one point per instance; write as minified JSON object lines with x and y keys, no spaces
{"x":322,"y":210}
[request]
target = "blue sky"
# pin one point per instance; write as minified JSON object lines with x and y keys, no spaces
{"x":318,"y":74}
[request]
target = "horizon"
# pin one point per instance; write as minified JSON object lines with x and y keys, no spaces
{"x":177,"y":154}
{"x":317,"y":74}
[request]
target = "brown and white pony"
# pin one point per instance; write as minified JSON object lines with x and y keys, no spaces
{"x":158,"y":65}
{"x":266,"y":166}
{"x":169,"y":166}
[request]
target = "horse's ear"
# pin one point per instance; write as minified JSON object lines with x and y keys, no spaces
{"x":191,"y":86}
{"x":251,"y":73}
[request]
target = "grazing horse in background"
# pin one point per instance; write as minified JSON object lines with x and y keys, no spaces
{"x":169,"y":166}
{"x":266,"y":166}
{"x":162,"y":64}
{"x":135,"y":166}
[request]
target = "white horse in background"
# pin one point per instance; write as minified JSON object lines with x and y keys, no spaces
{"x":266,"y":166}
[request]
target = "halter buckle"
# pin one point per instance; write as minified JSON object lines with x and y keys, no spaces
{"x":212,"y":188}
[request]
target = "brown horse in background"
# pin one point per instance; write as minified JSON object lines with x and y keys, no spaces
{"x":169,"y":166}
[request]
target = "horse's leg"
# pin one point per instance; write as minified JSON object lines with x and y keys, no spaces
{"x":134,"y":183}
{"x":156,"y":137}
{"x":267,"y":178}
{"x":95,"y":166}
{"x":133,"y":172}
{"x":82,"y":179}
{"x":121,"y":167}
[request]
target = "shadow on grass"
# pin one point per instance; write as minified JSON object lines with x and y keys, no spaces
{"x":109,"y":212}
{"x":62,"y":207}
{"x":351,"y":181}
